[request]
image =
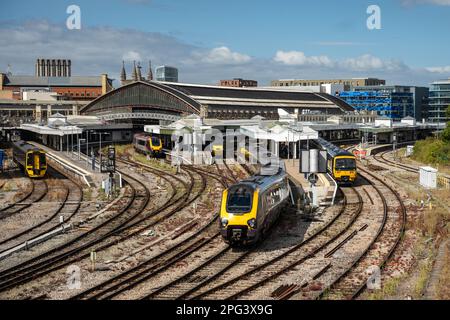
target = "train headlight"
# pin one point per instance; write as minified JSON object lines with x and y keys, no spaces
{"x":224,"y":222}
{"x":252,"y":223}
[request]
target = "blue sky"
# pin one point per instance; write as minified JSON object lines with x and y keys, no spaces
{"x":209,"y":40}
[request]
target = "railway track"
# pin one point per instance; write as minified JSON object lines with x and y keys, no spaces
{"x":150,"y":268}
{"x":38,"y":191}
{"x":350,"y":284}
{"x":196,"y":286}
{"x":27,"y":271}
{"x":381,"y":157}
{"x":67,"y":253}
{"x":67,"y":207}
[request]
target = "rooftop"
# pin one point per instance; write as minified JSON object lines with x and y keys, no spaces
{"x":81,"y":81}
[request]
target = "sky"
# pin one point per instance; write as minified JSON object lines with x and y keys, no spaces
{"x":209,"y":40}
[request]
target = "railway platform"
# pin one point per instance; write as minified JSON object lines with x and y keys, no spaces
{"x":75,"y":165}
{"x":324,"y":187}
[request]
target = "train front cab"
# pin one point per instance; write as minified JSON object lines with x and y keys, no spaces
{"x":238,"y":215}
{"x":35,"y":164}
{"x":155,"y":146}
{"x":344,"y":169}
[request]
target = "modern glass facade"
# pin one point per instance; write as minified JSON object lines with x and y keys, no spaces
{"x":166,"y":73}
{"x":439,"y":101}
{"x":394,"y":105}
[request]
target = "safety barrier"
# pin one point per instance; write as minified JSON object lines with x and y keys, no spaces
{"x":444,"y":181}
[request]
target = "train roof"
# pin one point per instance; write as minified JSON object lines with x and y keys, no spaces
{"x":263,"y":182}
{"x":332,"y":149}
{"x":25,"y":147}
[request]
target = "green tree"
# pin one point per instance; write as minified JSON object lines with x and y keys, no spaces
{"x":446,"y":133}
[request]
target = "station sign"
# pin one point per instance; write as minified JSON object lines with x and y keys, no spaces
{"x":313,"y":161}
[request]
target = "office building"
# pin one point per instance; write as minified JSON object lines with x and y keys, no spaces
{"x":347,"y":83}
{"x":166,"y":73}
{"x":439,"y":101}
{"x":384,"y":101}
{"x":419,"y":96}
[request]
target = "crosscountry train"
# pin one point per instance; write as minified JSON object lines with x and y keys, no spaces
{"x":32,"y":159}
{"x":250,"y":207}
{"x":150,"y":145}
{"x":341,"y":163}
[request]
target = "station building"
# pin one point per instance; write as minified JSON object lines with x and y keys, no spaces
{"x":153,"y":101}
{"x":52,"y":89}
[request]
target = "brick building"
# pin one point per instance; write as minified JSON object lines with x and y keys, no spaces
{"x":67,"y":88}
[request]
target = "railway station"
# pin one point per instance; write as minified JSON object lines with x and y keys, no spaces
{"x":226,"y":172}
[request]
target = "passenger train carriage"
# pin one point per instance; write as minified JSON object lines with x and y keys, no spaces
{"x":32,"y":159}
{"x":341,"y":163}
{"x":250,"y":207}
{"x":150,"y":145}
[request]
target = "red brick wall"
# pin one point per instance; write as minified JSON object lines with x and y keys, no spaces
{"x":70,"y":93}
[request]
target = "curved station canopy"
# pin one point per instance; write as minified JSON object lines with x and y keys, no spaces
{"x":170,"y":101}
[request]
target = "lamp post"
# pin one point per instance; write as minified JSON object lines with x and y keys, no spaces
{"x":100,"y":144}
{"x":87,"y":148}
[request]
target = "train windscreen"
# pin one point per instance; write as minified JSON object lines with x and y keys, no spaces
{"x":42,"y":159}
{"x":30,"y":159}
{"x":345,"y":164}
{"x":239,"y":200}
{"x":156,"y":142}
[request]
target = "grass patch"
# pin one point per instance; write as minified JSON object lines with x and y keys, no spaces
{"x":443,"y":287}
{"x":87,"y":194}
{"x":432,"y":151}
{"x":425,"y":267}
{"x":388,"y":289}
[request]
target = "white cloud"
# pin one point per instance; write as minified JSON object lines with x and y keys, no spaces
{"x":445,"y":69}
{"x":96,"y":50}
{"x":298,"y":58}
{"x":223,"y":55}
{"x":365,"y":62}
{"x":132,"y":56}
{"x":368,"y":62}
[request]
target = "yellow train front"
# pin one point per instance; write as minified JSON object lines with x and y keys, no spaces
{"x":250,"y":207}
{"x":341,"y":163}
{"x":344,"y":168}
{"x":32,"y":159}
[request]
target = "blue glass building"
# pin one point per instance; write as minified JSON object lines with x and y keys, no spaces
{"x":385,"y":101}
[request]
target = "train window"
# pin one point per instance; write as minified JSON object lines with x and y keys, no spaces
{"x":141,"y":142}
{"x":345,"y":164}
{"x":42,"y":159}
{"x":239,"y":200}
{"x":30,"y":160}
